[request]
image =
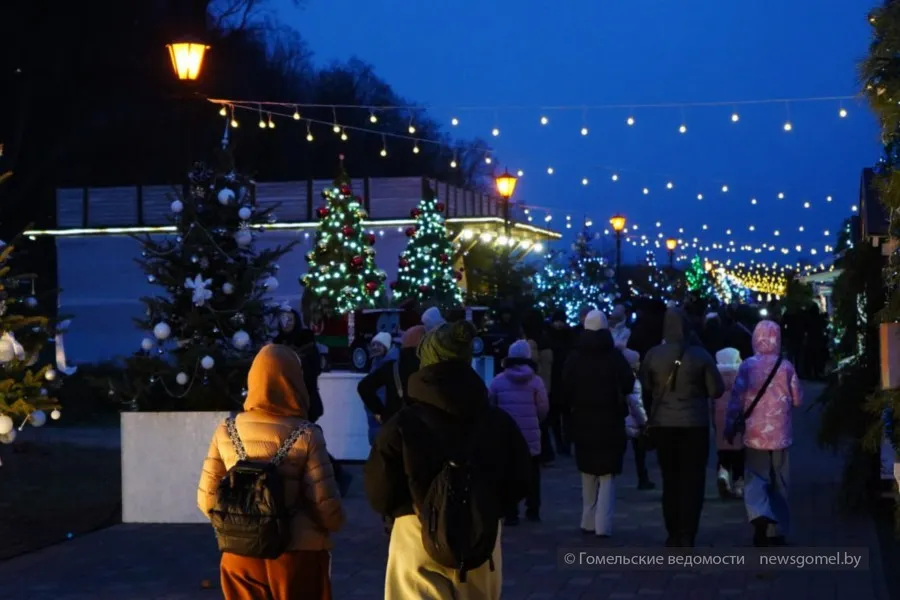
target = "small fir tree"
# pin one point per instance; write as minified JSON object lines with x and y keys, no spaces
{"x":342,"y":274}
{"x":214,"y":311}
{"x":425,"y":271}
{"x":28,"y":383}
{"x":592,"y":280}
{"x":699,"y":282}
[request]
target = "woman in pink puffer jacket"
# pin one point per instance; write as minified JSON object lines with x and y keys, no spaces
{"x":520,"y":392}
{"x":768,"y":435}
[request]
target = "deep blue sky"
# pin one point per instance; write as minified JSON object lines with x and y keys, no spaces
{"x":585,"y":52}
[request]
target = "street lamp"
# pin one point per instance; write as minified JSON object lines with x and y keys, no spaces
{"x":671,"y":245}
{"x":506,"y":185}
{"x":187,"y":59}
{"x":618,"y":225}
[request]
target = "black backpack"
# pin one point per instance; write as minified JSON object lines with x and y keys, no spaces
{"x":461,"y":511}
{"x":250,"y":517}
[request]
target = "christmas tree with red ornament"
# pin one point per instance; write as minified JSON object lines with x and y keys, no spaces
{"x":425,"y":273}
{"x":342,"y":274}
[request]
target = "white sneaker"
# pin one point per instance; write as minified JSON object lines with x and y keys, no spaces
{"x":739,"y":488}
{"x":724,"y":482}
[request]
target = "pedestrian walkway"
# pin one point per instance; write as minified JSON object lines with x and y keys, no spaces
{"x":172,"y":562}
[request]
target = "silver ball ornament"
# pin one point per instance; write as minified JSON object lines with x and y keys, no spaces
{"x":181,"y":378}
{"x":55,"y":414}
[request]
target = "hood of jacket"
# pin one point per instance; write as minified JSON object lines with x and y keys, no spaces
{"x":520,"y":372}
{"x":451,"y":386}
{"x":275,"y":383}
{"x":767,"y":338}
{"x":595,"y":342}
{"x":677,"y":327}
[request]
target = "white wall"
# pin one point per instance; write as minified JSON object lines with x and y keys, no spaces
{"x":102,"y":286}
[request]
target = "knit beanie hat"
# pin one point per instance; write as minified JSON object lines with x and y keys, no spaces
{"x":412,"y":337}
{"x":595,"y":321}
{"x":450,"y":341}
{"x":519,"y":349}
{"x":432,"y":319}
{"x":728,"y":357}
{"x":383,"y":338}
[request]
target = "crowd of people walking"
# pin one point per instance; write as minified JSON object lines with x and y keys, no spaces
{"x":452,"y":458}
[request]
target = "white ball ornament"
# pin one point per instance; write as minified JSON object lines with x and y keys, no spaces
{"x":31,"y":302}
{"x":207,"y":362}
{"x":50,"y":375}
{"x":6,"y":424}
{"x":271,"y":284}
{"x":8,"y":437}
{"x":162,"y":330}
{"x":7,"y":350}
{"x":240,"y":339}
{"x":181,"y":378}
{"x":243,"y":238}
{"x":226,"y":196}
{"x":177,"y":206}
{"x":38,"y":418}
{"x":227,"y":289}
{"x":244,"y":213}
{"x":55,"y":414}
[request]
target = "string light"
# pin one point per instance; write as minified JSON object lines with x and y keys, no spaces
{"x":495,"y":132}
{"x":699,"y":196}
{"x":842,"y":113}
{"x":781,"y":195}
{"x":682,"y":129}
{"x":487,"y":159}
{"x":297,"y":114}
{"x":416,"y":148}
{"x":735,"y":117}
{"x":234,"y":121}
{"x":343,"y":135}
{"x":454,"y":121}
{"x":670,"y":185}
{"x":544,"y":120}
{"x":724,"y":189}
{"x":584,"y":131}
{"x":372,"y":117}
{"x":806,"y":205}
{"x":646,"y":191}
{"x":828,"y":199}
{"x":584,"y":181}
{"x":629,"y":121}
{"x":335,"y":127}
{"x":383,"y":146}
{"x":520,"y":173}
{"x":549,"y":170}
{"x":271,"y":123}
{"x":223,"y":111}
{"x":752,"y":200}
{"x":309,"y":135}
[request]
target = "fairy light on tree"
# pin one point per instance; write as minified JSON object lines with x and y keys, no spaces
{"x":342,"y":274}
{"x":425,"y":271}
{"x":698,"y":278}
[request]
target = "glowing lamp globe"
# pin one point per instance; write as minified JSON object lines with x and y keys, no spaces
{"x":618,"y":223}
{"x":671,"y":244}
{"x":506,"y":185}
{"x":187,"y":59}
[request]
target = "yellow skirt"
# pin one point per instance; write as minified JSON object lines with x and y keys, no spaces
{"x":412,"y":574}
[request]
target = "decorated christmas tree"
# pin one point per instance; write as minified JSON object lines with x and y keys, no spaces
{"x":425,"y":271}
{"x":699,"y":281}
{"x":651,"y":282}
{"x":214,"y":310}
{"x":27,"y":383}
{"x":342,"y":274}
{"x":584,"y":277}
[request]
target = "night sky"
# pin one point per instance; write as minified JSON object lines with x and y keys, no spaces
{"x":520,"y":57}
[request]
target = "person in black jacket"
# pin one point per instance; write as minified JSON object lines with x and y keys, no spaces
{"x":448,"y":405}
{"x":393,"y":377}
{"x":682,"y":378}
{"x":559,"y":336}
{"x":596,"y":380}
{"x":737,"y":333}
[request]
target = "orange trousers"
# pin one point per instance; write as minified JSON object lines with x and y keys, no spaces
{"x":300,"y":575}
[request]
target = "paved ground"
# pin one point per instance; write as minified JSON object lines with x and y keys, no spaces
{"x":142,"y":562}
{"x":89,"y":437}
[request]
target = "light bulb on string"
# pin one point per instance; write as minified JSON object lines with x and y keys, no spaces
{"x":806,"y":205}
{"x":752,"y":200}
{"x":487,"y":159}
{"x":372,"y":117}
{"x":699,"y":196}
{"x":584,"y":181}
{"x":453,"y":163}
{"x":646,"y":191}
{"x":615,"y":177}
{"x":454,"y":121}
{"x":549,"y":170}
{"x":788,"y":126}
{"x":842,"y":113}
{"x":495,"y":132}
{"x":682,"y":128}
{"x":629,"y":121}
{"x":670,"y":185}
{"x":735,"y":117}
{"x":262,"y":123}
{"x":271,"y":122}
{"x":520,"y":173}
{"x":335,"y":127}
{"x":725,"y":189}
{"x":383,"y":146}
{"x":412,"y":128}
{"x":781,"y":195}
{"x":296,"y":114}
{"x":416,"y":148}
{"x":584,"y":131}
{"x":828,"y":199}
{"x":343,"y":135}
{"x":223,"y":112}
{"x":234,"y":121}
{"x":309,"y":135}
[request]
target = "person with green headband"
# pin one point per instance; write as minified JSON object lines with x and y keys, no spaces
{"x":447,"y":426}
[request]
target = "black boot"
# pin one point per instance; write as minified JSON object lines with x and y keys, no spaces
{"x":760,"y":529}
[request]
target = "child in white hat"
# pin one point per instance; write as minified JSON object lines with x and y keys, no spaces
{"x":730,"y":476}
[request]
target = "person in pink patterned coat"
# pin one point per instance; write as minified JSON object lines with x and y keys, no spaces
{"x":768,"y":433}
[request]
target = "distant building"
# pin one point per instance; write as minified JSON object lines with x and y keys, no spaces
{"x":102,"y":286}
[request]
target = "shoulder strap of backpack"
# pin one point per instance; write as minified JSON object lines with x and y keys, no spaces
{"x":235,"y":438}
{"x":287,"y":444}
{"x":397,"y":382}
{"x":481,"y":424}
{"x":673,"y":376}
{"x":762,"y":390}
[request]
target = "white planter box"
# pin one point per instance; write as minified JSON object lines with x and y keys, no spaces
{"x":163,"y":452}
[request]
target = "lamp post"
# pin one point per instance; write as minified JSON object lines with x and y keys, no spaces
{"x":671,"y":245}
{"x":618,"y":225}
{"x":506,"y":185}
